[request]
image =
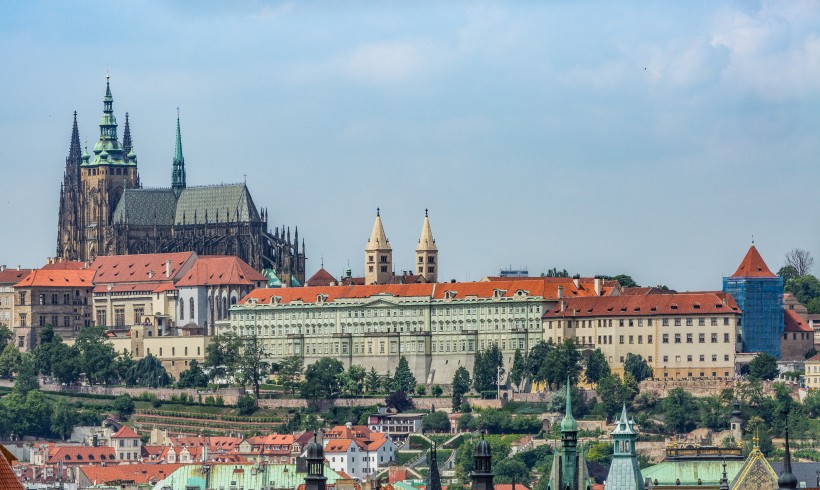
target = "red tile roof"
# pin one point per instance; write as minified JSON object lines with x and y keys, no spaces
{"x":136,"y":268}
{"x":8,"y":480}
{"x":321,"y":278}
{"x":509,"y":486}
{"x":753,"y":265}
{"x":708,"y":303}
{"x":58,"y":278}
{"x":218,"y":270}
{"x":793,"y":322}
{"x":544,"y":287}
{"x":125,"y":432}
{"x":81,"y":455}
{"x":13,"y":276}
{"x":62,"y":265}
{"x":814,"y":358}
{"x":139,"y":474}
{"x":643,"y":291}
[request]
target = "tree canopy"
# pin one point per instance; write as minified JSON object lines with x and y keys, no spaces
{"x":461,"y":385}
{"x":637,"y":366}
{"x":763,"y":366}
{"x":403,"y":380}
{"x":322,"y":379}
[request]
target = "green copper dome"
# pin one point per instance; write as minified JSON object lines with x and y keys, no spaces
{"x":569,"y":424}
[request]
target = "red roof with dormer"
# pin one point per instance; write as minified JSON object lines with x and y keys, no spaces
{"x":793,"y":323}
{"x":55,"y":278}
{"x":140,"y":474}
{"x":321,"y":278}
{"x":220,"y":270}
{"x":708,"y":303}
{"x":125,"y":433}
{"x":753,"y":265}
{"x":139,"y":267}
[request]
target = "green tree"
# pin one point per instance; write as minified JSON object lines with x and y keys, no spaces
{"x":624,"y":280}
{"x":435,"y":422}
{"x":787,"y":272}
{"x":253,"y":368}
{"x":537,"y":359}
{"x":193,"y":377}
{"x":387,"y":382}
{"x":5,"y":336}
{"x":66,"y":363}
{"x":499,"y":449}
{"x":148,"y":372}
{"x":680,"y":410}
{"x":96,"y":355}
{"x":637,"y":366}
{"x":437,"y":390}
{"x":351,"y":381}
{"x":554,"y":272}
{"x":372,"y":381}
{"x":123,"y":405}
{"x":26,"y":379}
{"x":321,"y":379}
{"x":597,"y":367}
{"x":9,"y":361}
{"x":44,"y":352}
{"x":246,"y":405}
{"x":614,"y":393}
{"x":814,"y":306}
{"x":398,"y":401}
{"x":518,"y":372}
{"x":421,"y":390}
{"x":461,"y":385}
{"x":511,"y":469}
{"x":290,"y":372}
{"x":222,"y":356}
{"x":403,"y":379}
{"x":63,"y":420}
{"x":713,"y":414}
{"x":488,"y":368}
{"x":805,"y":288}
{"x":763,"y":366}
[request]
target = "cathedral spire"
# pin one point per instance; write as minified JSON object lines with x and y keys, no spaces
{"x":178,"y":174}
{"x":108,"y":151}
{"x":74,"y":150}
{"x":127,"y":146}
{"x":787,"y":480}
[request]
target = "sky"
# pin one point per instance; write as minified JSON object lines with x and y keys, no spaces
{"x":655,"y":139}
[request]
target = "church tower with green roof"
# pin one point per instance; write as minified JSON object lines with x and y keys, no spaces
{"x":569,"y":467}
{"x":624,"y":472}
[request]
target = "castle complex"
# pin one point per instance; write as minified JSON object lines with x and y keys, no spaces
{"x":105,"y":211}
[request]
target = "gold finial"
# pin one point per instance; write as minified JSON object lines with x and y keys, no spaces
{"x":755,"y":439}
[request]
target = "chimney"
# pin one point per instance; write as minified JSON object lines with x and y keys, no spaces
{"x":18,"y":267}
{"x":2,"y":268}
{"x":168,"y":268}
{"x":563,"y":305}
{"x":560,"y":292}
{"x":577,"y":281}
{"x":598,"y":286}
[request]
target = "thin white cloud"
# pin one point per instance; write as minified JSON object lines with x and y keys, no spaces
{"x":388,"y":61}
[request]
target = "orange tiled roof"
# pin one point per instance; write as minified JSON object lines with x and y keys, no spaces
{"x":136,"y":268}
{"x":338,"y":445}
{"x":125,"y":432}
{"x":81,"y":454}
{"x":793,"y":322}
{"x":82,"y":278}
{"x":509,"y":486}
{"x":139,"y":474}
{"x":13,"y":276}
{"x":220,"y":269}
{"x":545,"y":287}
{"x":8,"y":480}
{"x":753,"y":265}
{"x":321,"y":278}
{"x":707,"y":303}
{"x":814,"y":358}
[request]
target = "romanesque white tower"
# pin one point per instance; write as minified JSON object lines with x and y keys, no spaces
{"x":378,"y":256}
{"x":427,"y":253}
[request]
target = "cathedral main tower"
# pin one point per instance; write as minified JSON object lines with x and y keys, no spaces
{"x":378,"y":255}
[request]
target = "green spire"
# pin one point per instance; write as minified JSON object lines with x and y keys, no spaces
{"x":178,"y":174}
{"x":569,"y":424}
{"x":107,"y":151}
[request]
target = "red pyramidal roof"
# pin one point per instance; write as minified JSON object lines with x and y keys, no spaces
{"x":753,"y":265}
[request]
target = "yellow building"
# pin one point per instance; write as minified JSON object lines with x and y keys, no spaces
{"x":813,"y":372}
{"x":681,"y":335}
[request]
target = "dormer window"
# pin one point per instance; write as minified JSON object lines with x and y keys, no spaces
{"x":498,"y":293}
{"x":450,"y":294}
{"x":321,"y":298}
{"x":521,"y":292}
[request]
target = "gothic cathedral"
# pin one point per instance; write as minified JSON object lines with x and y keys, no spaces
{"x":105,"y":211}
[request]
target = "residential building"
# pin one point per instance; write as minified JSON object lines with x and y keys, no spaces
{"x":759,"y":293}
{"x":8,"y":279}
{"x":57,"y":297}
{"x":127,"y":444}
{"x":680,"y":335}
{"x":798,"y":337}
{"x":357,"y":450}
{"x":396,"y":425}
{"x":105,"y":210}
{"x":436,"y":326}
{"x":812,"y":374}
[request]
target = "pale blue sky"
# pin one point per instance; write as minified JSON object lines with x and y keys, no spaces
{"x":649,"y":138}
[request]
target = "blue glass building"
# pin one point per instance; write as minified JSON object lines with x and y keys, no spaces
{"x":759,"y":293}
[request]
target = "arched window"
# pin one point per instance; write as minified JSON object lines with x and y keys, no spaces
{"x":181,"y":309}
{"x":224,"y":307}
{"x":191,"y":305}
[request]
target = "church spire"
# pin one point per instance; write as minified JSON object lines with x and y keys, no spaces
{"x":108,"y":151}
{"x":74,"y":150}
{"x":127,"y":146}
{"x":178,"y":174}
{"x":787,"y":480}
{"x":378,"y":255}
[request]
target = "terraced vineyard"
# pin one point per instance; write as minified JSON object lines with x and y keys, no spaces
{"x":197,"y":423}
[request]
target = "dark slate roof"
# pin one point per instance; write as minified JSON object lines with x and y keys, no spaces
{"x":222,"y":203}
{"x":804,"y":471}
{"x":145,"y":207}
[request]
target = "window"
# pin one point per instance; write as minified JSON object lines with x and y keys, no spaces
{"x":66,"y":298}
{"x":101,"y":320}
{"x":702,"y":358}
{"x":701,"y":322}
{"x":701,"y":338}
{"x":714,"y":357}
{"x":714,"y":322}
{"x":191,"y":308}
{"x":677,"y":322}
{"x":631,"y":340}
{"x":139,"y":311}
{"x":726,"y":357}
{"x":725,"y":338}
{"x":714,"y":338}
{"x":665,"y":338}
{"x":640,"y":339}
{"x":384,"y":268}
{"x":649,"y":339}
{"x":66,"y":321}
{"x":621,"y":339}
{"x":689,"y":359}
{"x":689,"y":338}
{"x":677,"y":338}
{"x":119,"y":317}
{"x":665,"y":322}
{"x":54,"y":299}
{"x":181,"y":309}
